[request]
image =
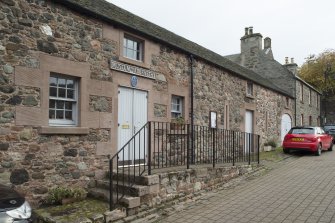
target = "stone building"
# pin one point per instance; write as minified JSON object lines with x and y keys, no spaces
{"x":78,"y":78}
{"x":306,"y":102}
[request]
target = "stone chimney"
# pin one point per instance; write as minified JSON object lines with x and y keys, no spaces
{"x":267,"y":43}
{"x":291,"y":66}
{"x":251,"y":41}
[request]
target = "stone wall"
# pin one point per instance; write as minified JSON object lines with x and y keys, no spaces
{"x":178,"y":184}
{"x":218,"y":90}
{"x":304,"y":107}
{"x":32,"y":161}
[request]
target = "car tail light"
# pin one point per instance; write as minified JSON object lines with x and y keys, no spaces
{"x":313,"y":139}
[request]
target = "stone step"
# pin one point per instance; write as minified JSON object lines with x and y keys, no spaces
{"x":125,"y":201}
{"x":140,"y":180}
{"x":129,"y":189}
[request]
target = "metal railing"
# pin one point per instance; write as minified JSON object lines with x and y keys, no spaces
{"x":162,"y":144}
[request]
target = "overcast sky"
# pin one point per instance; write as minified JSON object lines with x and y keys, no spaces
{"x":297,"y":28}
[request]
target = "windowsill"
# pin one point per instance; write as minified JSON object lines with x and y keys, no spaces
{"x":134,"y":62}
{"x":64,"y":130}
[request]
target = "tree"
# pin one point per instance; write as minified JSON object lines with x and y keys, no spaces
{"x":319,"y":71}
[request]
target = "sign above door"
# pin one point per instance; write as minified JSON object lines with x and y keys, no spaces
{"x":138,"y":71}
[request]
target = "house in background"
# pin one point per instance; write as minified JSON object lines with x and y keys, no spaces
{"x":79,"y":78}
{"x":306,"y":99}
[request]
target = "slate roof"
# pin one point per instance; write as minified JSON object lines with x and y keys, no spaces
{"x":112,"y":14}
{"x":274,"y":71}
{"x":269,"y":68}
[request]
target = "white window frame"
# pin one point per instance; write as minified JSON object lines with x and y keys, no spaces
{"x":250,"y":88}
{"x":129,"y":49}
{"x":301,"y":92}
{"x":64,"y":122}
{"x":310,"y":97}
{"x":177,"y":101}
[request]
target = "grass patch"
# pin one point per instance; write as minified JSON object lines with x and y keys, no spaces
{"x":274,"y":155}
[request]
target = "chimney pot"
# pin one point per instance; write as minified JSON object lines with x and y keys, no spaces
{"x":250,"y":30}
{"x":246,"y":29}
{"x":292,"y":60}
{"x":286,"y":60}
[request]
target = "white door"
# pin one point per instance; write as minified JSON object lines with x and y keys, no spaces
{"x":132,"y":116}
{"x":286,"y":124}
{"x":249,"y":117}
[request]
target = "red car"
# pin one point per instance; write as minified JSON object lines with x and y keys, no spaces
{"x":308,"y":138}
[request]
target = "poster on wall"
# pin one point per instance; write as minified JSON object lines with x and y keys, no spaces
{"x":213,"y":119}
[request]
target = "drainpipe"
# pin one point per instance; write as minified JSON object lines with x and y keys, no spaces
{"x":192,"y":109}
{"x":295,"y":104}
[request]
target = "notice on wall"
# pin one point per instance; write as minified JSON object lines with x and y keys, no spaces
{"x":114,"y":65}
{"x":213,"y":119}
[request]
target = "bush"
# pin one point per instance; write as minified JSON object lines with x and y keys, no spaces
{"x":57,"y":194}
{"x":271,"y":143}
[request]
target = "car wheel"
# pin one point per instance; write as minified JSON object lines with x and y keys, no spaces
{"x":330,"y":147}
{"x":286,"y":150}
{"x":318,"y":151}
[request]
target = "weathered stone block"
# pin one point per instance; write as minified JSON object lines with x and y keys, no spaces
{"x":131,"y":202}
{"x":201,"y":172}
{"x":4,"y":146}
{"x":150,"y":180}
{"x":15,"y":100}
{"x":98,"y":218}
{"x":38,"y":175}
{"x":154,"y":189}
{"x":19,"y":176}
{"x":26,"y":134}
{"x":111,"y":216}
{"x":71,"y":152}
{"x":30,"y":101}
{"x":8,"y":69}
{"x":47,"y":47}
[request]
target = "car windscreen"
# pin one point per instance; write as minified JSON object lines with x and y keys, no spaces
{"x":329,"y":127}
{"x":302,"y":131}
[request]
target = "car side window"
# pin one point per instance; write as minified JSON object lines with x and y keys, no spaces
{"x":318,"y":131}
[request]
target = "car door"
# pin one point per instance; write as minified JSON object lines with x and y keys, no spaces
{"x":325,"y":138}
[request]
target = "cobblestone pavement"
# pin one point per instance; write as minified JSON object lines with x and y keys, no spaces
{"x":302,"y":190}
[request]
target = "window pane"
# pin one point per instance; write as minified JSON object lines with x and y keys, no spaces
{"x":68,"y":105}
{"x":52,"y":114}
{"x":60,"y":114}
{"x":125,"y":43}
{"x":52,"y":103}
{"x":61,"y":82}
{"x":68,"y":115}
{"x":53,"y":92}
{"x":60,"y":105}
{"x":129,"y":44}
{"x":61,"y":93}
{"x":70,"y":94}
{"x":70,"y":84}
{"x":53,"y":81}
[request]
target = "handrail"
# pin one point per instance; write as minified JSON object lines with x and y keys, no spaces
{"x":162,"y":144}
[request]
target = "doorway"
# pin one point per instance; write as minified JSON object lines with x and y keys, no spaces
{"x":249,"y":120}
{"x":132,"y":116}
{"x":286,"y":124}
